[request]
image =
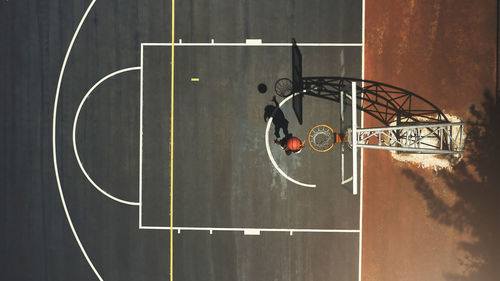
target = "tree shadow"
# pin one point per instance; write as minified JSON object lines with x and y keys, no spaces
{"x":475,"y":181}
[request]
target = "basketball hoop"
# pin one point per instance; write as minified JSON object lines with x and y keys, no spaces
{"x":321,"y":138}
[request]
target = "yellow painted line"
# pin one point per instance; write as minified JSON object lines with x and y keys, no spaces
{"x":195,"y":79}
{"x":172,"y":148}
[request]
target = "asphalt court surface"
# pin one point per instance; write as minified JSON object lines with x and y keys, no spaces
{"x":223,"y":177}
{"x":272,"y":21}
{"x":222,"y":174}
{"x":270,"y":256}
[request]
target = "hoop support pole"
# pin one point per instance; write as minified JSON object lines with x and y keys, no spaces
{"x":354,"y":141}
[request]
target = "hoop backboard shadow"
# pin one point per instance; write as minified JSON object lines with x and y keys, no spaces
{"x":297,"y":84}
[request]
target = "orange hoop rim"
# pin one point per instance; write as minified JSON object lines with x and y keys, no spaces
{"x":309,"y":138}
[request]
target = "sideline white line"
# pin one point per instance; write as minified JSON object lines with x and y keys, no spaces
{"x":254,"y":44}
{"x":75,"y":148}
{"x":269,"y":149}
{"x":242,"y":229}
{"x":54,"y":152}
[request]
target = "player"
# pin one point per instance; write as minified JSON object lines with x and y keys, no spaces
{"x":290,"y":144}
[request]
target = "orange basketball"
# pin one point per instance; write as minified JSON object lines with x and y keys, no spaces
{"x":293,"y":143}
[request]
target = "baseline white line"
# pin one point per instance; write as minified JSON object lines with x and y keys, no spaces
{"x":172,"y":80}
{"x":75,"y":148}
{"x":361,"y":169}
{"x":243,"y":229}
{"x":54,"y":152}
{"x":269,"y":149}
{"x":254,"y":45}
{"x":140,"y":134}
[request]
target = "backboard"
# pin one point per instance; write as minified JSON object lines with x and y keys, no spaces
{"x":297,"y":81}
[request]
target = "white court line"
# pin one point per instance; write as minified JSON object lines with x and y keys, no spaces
{"x":253,"y":41}
{"x":181,"y":44}
{"x":75,"y":148}
{"x":251,"y":229}
{"x":354,"y":112}
{"x":269,"y":149}
{"x":212,"y":44}
{"x":141,"y":105}
{"x":54,"y":151}
{"x":360,"y":247}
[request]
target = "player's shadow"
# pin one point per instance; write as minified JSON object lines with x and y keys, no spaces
{"x":475,"y":181}
{"x":279,"y":120}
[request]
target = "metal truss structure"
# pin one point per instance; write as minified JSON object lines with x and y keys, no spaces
{"x":412,"y":124}
{"x":438,"y":138}
{"x":388,"y":104}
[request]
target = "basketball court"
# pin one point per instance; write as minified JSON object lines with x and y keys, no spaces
{"x":223,"y":140}
{"x":209,"y":173}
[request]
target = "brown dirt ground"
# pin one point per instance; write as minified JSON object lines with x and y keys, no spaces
{"x":419,"y":224}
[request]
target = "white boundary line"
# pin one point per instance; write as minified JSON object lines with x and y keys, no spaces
{"x":269,"y":149}
{"x":172,"y":80}
{"x":141,"y":108}
{"x":75,"y":148}
{"x":54,"y":148}
{"x":361,"y":168}
{"x":181,"y":44}
{"x":251,"y":229}
{"x":212,"y":44}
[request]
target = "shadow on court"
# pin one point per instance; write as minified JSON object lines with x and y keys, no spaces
{"x":475,"y":183}
{"x":279,"y":120}
{"x":280,"y":125}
